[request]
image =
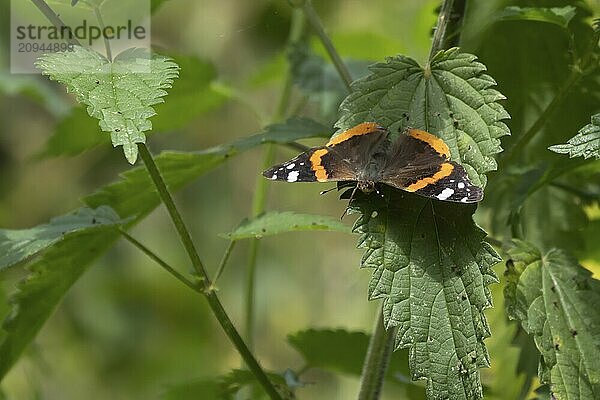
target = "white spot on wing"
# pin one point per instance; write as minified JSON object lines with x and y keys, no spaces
{"x":274,"y":176}
{"x":445,"y":194}
{"x":293,"y":176}
{"x":461,"y":185}
{"x":292,"y":165}
{"x":464,"y":199}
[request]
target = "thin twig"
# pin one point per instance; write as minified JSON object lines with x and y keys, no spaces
{"x":103,"y":27}
{"x":315,"y":22}
{"x":208,"y":289}
{"x":224,"y":260}
{"x":160,"y":262}
{"x":55,"y":20}
{"x":440,"y":29}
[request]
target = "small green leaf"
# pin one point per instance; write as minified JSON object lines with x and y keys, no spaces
{"x":451,"y":98}
{"x":67,"y":255}
{"x":120,"y":93}
{"x":343,"y":351}
{"x":320,"y":80}
{"x":74,"y":134}
{"x":191,"y":96}
{"x":560,"y":16}
{"x":432,"y":270}
{"x":294,"y":128}
{"x":224,"y":387}
{"x":17,"y":246}
{"x":585,"y":144}
{"x":556,"y":300}
{"x":274,"y":223}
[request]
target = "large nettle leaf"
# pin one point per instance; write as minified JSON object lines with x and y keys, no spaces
{"x":432,"y":266}
{"x":120,"y":93}
{"x":585,"y":144}
{"x":556,"y":300}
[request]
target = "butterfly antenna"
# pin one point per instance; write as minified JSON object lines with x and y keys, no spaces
{"x":327,"y":191}
{"x":349,"y":201}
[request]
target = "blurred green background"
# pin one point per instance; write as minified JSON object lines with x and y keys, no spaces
{"x":127,"y":330}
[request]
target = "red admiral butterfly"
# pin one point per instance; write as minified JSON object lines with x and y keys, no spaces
{"x":416,"y":161}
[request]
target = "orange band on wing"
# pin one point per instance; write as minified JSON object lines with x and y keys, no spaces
{"x":360,"y":129}
{"x":438,"y":144}
{"x":318,"y":169}
{"x":445,"y":170}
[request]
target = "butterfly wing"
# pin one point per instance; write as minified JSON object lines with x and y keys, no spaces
{"x":419,"y":162}
{"x":341,"y":159}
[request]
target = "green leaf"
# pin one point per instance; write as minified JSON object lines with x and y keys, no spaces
{"x":191,"y":96}
{"x":452,"y":98}
{"x":432,"y":270}
{"x":320,"y":80}
{"x":560,"y":16}
{"x":585,"y":144}
{"x":343,"y":351}
{"x":432,"y":267}
{"x":120,"y":93}
{"x":224,"y":387}
{"x":74,"y":134}
{"x":133,"y":196}
{"x":556,"y":300}
{"x":71,"y":243}
{"x":274,"y":223}
{"x":17,"y":246}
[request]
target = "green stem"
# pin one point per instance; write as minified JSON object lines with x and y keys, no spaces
{"x":260,"y":192}
{"x":102,"y":26}
{"x":224,"y":260}
{"x":55,"y":19}
{"x":206,"y":285}
{"x":315,"y":22}
{"x":440,"y":29}
{"x":376,"y":362}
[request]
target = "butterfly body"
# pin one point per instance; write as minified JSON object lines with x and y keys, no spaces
{"x":416,"y":161}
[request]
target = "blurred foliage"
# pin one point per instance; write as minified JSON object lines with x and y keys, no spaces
{"x":127,"y":330}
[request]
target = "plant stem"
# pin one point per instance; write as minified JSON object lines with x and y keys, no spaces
{"x":224,"y":260}
{"x":102,"y":26}
{"x":260,"y":192}
{"x":440,"y":29}
{"x":55,"y":19}
{"x":205,"y":283}
{"x":377,"y":360}
{"x":315,"y":22}
{"x":160,"y":262}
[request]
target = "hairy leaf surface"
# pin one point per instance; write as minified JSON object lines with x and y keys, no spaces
{"x":120,"y":93}
{"x":585,"y":144}
{"x":557,"y":301}
{"x":432,"y":267}
{"x":432,"y":271}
